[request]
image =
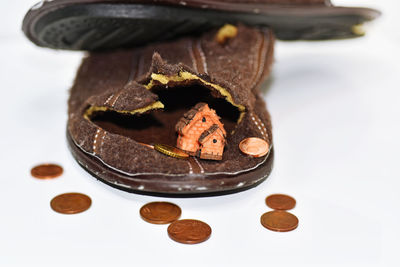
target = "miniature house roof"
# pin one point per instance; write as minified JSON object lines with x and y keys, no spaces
{"x":214,"y":129}
{"x":188,"y":116}
{"x":191,"y":114}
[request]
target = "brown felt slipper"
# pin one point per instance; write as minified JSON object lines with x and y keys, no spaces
{"x":105,"y":24}
{"x":203,"y":89}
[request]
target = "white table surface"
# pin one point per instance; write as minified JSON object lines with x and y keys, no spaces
{"x":336,"y":125}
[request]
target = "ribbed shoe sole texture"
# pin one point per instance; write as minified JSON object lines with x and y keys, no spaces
{"x":105,"y":26}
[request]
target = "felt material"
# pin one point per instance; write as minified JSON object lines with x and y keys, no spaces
{"x":110,"y":88}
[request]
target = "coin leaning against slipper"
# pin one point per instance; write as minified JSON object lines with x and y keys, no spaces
{"x":254,"y":146}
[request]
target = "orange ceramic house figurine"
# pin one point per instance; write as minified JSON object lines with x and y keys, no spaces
{"x":201,"y":133}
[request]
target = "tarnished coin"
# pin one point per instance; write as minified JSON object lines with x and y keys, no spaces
{"x":46,"y":171}
{"x":254,"y":146}
{"x":279,"y":221}
{"x":160,"y":212}
{"x":189,"y":231}
{"x":171,"y":151}
{"x":71,"y":203}
{"x":280,"y":202}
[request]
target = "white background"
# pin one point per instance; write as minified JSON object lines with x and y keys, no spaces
{"x":336,"y":118}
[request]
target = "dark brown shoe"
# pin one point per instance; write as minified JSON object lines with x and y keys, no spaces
{"x":104,"y":24}
{"x":124,"y":102}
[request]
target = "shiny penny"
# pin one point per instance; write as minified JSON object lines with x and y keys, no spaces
{"x":71,"y":203}
{"x":160,"y":212}
{"x":254,"y":146}
{"x":171,"y":151}
{"x":46,"y":171}
{"x":280,"y":202}
{"x":279,"y":221}
{"x":189,"y":231}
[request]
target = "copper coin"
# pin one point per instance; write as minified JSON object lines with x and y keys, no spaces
{"x":160,"y":212}
{"x":71,"y":203}
{"x":149,"y":146}
{"x":46,"y":171}
{"x":189,"y":231}
{"x":280,"y":202}
{"x":254,"y":146}
{"x":279,"y":221}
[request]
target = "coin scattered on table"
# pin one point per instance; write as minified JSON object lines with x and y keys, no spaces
{"x":46,"y":171}
{"x":189,"y":231}
{"x":171,"y":151}
{"x":70,"y":203}
{"x":280,"y":202}
{"x":279,"y":221}
{"x":254,"y":146}
{"x":160,"y":212}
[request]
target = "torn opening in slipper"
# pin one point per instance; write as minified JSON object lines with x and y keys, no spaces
{"x":124,"y":102}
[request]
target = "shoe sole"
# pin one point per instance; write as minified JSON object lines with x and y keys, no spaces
{"x":98,"y":26}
